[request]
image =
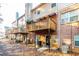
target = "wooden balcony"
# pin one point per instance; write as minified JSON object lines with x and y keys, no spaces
{"x":30,"y":27}
{"x":42,"y":24}
{"x":19,"y":31}
{"x":22,"y":30}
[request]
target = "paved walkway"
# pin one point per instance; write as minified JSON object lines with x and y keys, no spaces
{"x":10,"y":48}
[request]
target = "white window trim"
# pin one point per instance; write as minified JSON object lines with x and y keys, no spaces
{"x":74,"y":13}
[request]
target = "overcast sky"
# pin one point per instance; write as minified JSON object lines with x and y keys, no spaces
{"x":9,"y":9}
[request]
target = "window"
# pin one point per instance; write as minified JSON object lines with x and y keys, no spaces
{"x":38,"y":12}
{"x":53,"y":5}
{"x":74,"y":18}
{"x":65,"y":20}
{"x":76,"y":40}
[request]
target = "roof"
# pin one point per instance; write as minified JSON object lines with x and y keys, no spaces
{"x":21,"y":16}
{"x":13,"y":21}
{"x":18,"y":18}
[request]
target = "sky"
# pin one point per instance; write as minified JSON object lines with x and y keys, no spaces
{"x":9,"y":9}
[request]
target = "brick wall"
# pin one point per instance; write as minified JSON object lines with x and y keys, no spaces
{"x":67,"y":33}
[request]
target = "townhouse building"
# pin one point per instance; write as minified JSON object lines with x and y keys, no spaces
{"x":59,"y":21}
{"x":52,"y":25}
{"x":21,"y":34}
{"x":69,"y":26}
{"x":14,"y":30}
{"x":19,"y":29}
{"x":44,"y":26}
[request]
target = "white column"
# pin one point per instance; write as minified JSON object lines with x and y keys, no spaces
{"x":58,"y":28}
